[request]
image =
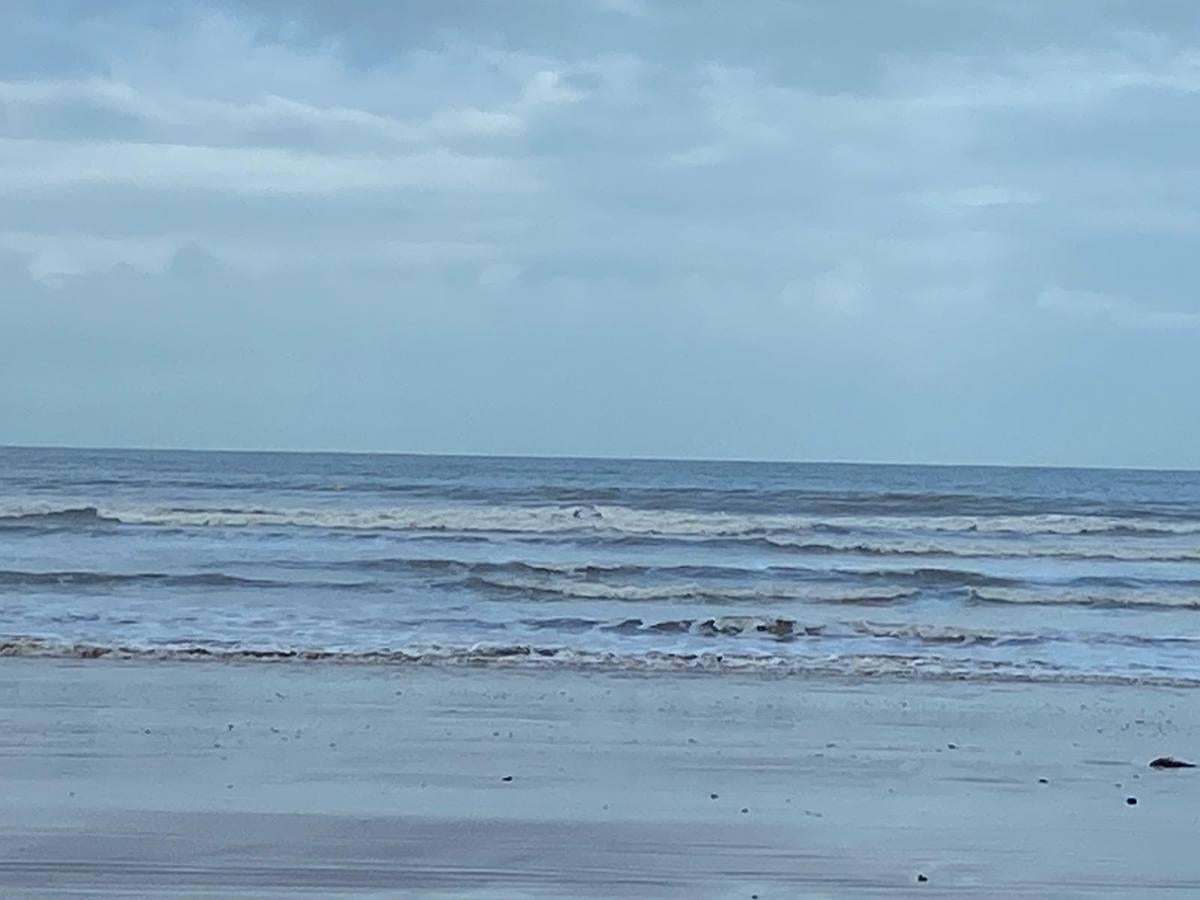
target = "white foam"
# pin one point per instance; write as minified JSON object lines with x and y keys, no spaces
{"x":621,"y":519}
{"x":865,"y":666}
{"x":716,"y":592}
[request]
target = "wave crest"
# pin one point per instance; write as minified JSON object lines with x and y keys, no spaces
{"x":881,"y":666}
{"x":625,"y":520}
{"x":76,"y":516}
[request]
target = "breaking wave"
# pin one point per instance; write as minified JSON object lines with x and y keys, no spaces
{"x":699,"y":592}
{"x":622,"y":519}
{"x":79,"y":516}
{"x":1112,"y":597}
{"x":1065,"y":537}
{"x":528,"y":656}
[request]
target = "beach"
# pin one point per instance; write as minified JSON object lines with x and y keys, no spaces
{"x":136,"y":778}
{"x":257,"y":674}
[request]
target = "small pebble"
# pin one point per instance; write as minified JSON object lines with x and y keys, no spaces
{"x":1043,"y":781}
{"x":1131,"y":801}
{"x":952,"y":746}
{"x":922,"y":878}
{"x":713,"y":796}
{"x":745,"y":809}
{"x":507,"y":778}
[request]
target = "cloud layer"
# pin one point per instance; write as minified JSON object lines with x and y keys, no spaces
{"x":944,"y":233}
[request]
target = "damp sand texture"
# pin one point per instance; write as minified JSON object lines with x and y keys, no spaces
{"x":213,"y":779}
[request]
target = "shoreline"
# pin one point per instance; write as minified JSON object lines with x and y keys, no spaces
{"x":904,"y":669}
{"x":213,"y":779}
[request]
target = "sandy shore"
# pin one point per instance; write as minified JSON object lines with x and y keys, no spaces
{"x":194,"y":779}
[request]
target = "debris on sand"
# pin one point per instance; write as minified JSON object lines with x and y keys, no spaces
{"x":1170,"y":762}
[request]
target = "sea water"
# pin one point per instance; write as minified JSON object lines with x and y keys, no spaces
{"x":861,"y":570}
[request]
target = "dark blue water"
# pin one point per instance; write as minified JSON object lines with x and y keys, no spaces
{"x":977,"y":572}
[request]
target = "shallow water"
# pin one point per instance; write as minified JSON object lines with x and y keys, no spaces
{"x":970,"y":572}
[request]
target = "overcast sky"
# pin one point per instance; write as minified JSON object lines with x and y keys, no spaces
{"x":921,"y":230}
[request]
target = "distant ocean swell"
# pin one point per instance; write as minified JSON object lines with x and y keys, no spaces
{"x":727,"y":497}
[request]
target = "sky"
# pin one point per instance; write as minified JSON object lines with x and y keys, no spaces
{"x":915,"y":231}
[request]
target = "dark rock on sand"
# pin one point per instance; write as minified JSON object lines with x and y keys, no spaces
{"x":507,"y":778}
{"x":1170,"y":762}
{"x":922,"y":878}
{"x":1043,"y":781}
{"x":1131,"y":801}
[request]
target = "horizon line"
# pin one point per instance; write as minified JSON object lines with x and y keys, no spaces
{"x":600,"y":457}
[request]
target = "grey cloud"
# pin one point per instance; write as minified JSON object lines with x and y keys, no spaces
{"x":936,"y":231}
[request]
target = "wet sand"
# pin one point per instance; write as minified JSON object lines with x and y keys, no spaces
{"x":198,"y":779}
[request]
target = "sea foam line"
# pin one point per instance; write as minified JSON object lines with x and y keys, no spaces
{"x":524,"y":656}
{"x":560,"y":519}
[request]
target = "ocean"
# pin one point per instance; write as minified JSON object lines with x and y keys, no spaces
{"x":827,"y":569}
